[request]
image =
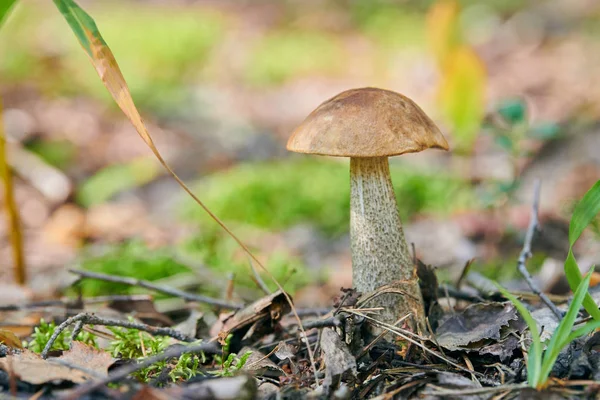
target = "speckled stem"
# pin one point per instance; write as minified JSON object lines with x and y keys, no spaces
{"x":380,"y":255}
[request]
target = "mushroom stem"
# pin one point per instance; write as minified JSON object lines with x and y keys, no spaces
{"x":380,"y":255}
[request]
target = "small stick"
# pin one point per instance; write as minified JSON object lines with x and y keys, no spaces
{"x":70,"y":303}
{"x":257,"y":279}
{"x":445,"y":290}
{"x":526,"y":253}
{"x":158,"y":288}
{"x":78,"y":327}
{"x":85,"y":318}
{"x":464,"y":273}
{"x":124,"y":371}
{"x":302,"y":312}
{"x":330,"y":322}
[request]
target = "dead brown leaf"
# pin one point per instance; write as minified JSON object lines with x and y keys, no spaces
{"x":258,"y":364}
{"x":77,"y":365}
{"x":256,"y":319}
{"x":473,"y":324}
{"x":31,"y":368}
{"x":9,"y":339}
{"x":88,"y":357}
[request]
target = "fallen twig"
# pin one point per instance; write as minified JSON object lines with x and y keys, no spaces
{"x":71,"y":304}
{"x":85,"y":318}
{"x":446,"y":290}
{"x":302,"y":312}
{"x":158,"y":288}
{"x":526,"y":253}
{"x":124,"y":371}
{"x":259,"y":282}
{"x":330,"y":322}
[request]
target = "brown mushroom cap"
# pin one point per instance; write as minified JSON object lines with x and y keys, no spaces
{"x":366,"y":122}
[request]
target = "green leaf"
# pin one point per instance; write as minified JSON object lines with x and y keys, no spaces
{"x":545,"y":131}
{"x":504,"y":141}
{"x":561,"y":335}
{"x":534,"y":361}
{"x":80,"y":22}
{"x":243,"y":359}
{"x":585,"y":212}
{"x":5,"y":7}
{"x":584,"y":330}
{"x":229,"y":361}
{"x":513,"y":111}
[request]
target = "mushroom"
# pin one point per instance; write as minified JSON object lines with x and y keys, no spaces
{"x":369,"y":125}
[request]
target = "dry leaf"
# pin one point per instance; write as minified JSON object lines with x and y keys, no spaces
{"x":31,"y":368}
{"x":286,"y":351}
{"x":9,"y":339}
{"x":474,"y":323}
{"x":261,"y":315}
{"x":338,"y":358}
{"x":258,"y":364}
{"x":88,"y":357}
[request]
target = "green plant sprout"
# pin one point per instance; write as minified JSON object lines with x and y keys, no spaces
{"x":584,"y":214}
{"x":132,"y":344}
{"x":42,"y":333}
{"x":231,"y":364}
{"x":540,"y":363}
{"x":186,"y":367}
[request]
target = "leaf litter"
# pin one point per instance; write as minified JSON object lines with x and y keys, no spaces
{"x":77,"y":365}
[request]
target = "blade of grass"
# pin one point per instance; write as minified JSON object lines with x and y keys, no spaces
{"x":584,"y":213}
{"x":86,"y":31}
{"x":5,"y":8}
{"x":16,"y":235}
{"x":561,"y":335}
{"x":534,"y":359}
{"x":584,"y":330}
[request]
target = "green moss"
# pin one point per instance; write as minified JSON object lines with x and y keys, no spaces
{"x":128,"y":259}
{"x":278,"y":195}
{"x":286,"y":54}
